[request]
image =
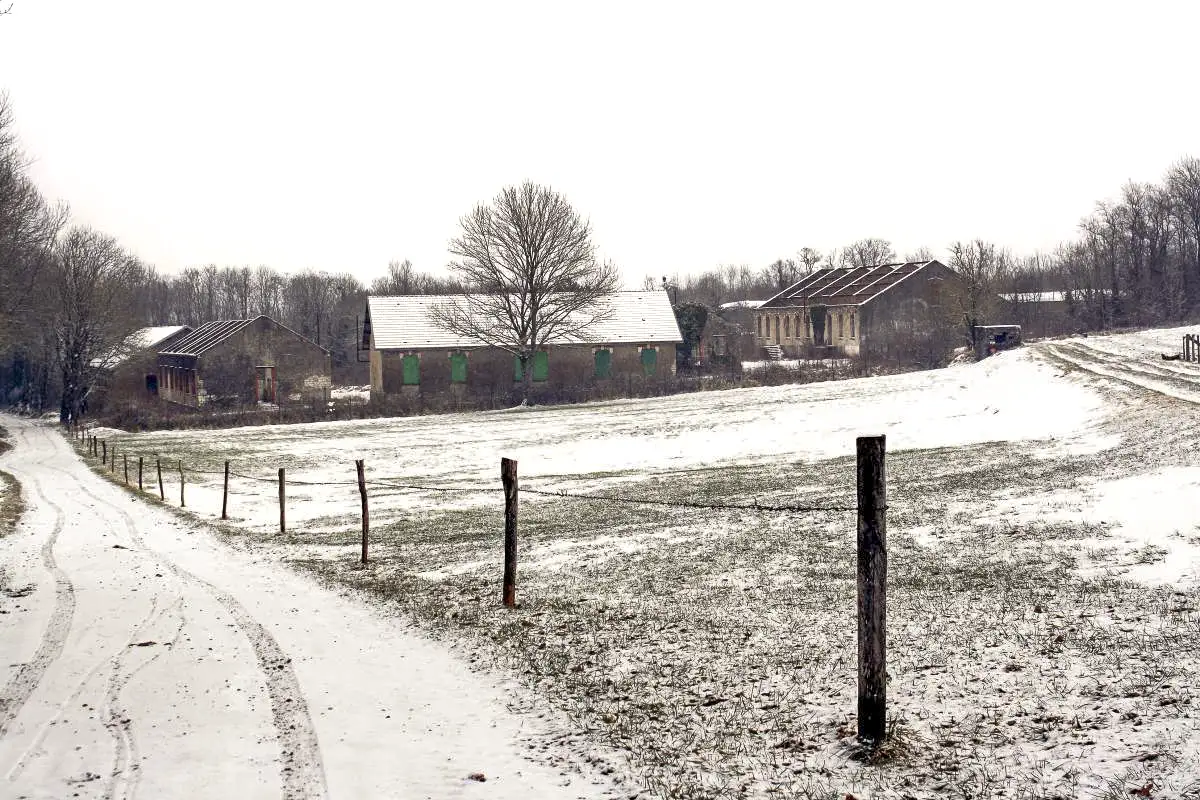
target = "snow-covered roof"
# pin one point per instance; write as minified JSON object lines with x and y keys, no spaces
{"x":1036,"y":297}
{"x":743,"y":304}
{"x":402,"y":322}
{"x":141,"y":339}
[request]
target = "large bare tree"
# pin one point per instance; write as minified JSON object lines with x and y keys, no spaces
{"x":984,"y":269}
{"x":90,"y":312}
{"x":531,"y":276}
{"x":867,"y":253}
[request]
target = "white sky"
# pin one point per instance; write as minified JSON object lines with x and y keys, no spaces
{"x":340,"y":135}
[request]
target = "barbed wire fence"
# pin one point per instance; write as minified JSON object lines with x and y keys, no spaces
{"x":870,"y":508}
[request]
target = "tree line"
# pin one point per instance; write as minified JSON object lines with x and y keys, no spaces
{"x":1135,"y":262}
{"x":69,"y":294}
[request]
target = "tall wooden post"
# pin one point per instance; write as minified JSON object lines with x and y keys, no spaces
{"x":225,"y":494}
{"x":508,"y":476}
{"x":362,"y":493}
{"x":162,"y":495}
{"x":104,"y":452}
{"x":282,"y":520}
{"x":112,"y":462}
{"x":182,"y":485}
{"x":140,"y":487}
{"x":125,"y":465}
{"x":872,"y":589}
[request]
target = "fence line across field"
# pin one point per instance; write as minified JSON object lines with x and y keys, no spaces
{"x":393,"y":483}
{"x":871,"y":509}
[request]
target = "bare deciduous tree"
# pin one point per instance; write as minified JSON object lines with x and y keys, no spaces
{"x":90,"y":311}
{"x":782,"y":273}
{"x":983,"y":268}
{"x":28,"y":227}
{"x":867,"y":253}
{"x":808,"y":258}
{"x":531,"y":274}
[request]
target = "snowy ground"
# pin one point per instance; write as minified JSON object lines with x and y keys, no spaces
{"x":1044,"y":628}
{"x":351,"y":393}
{"x":144,"y":658}
{"x":795,"y":364}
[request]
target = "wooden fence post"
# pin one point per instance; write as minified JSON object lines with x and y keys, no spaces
{"x":104,"y":452}
{"x":182,"y":484}
{"x":225,"y":494}
{"x":872,"y":589}
{"x":282,"y":520}
{"x":162,"y":495}
{"x":125,"y":464}
{"x":362,"y":493}
{"x":141,"y":488}
{"x":508,"y":476}
{"x":112,"y":462}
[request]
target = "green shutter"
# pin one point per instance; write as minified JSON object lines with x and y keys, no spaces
{"x":458,"y":367}
{"x":517,"y":373}
{"x":649,"y":360}
{"x":541,"y":365}
{"x":603,"y":363}
{"x":411,"y":368}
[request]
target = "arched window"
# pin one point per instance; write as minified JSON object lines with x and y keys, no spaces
{"x":841,"y":324}
{"x":787,"y":327}
{"x":851,"y":324}
{"x":777,"y":329}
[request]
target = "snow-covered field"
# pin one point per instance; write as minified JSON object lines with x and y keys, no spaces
{"x":1044,"y":545}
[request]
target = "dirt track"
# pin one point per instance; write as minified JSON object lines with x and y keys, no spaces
{"x":143,"y":658}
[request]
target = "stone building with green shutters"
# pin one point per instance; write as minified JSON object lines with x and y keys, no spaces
{"x":409,"y":354}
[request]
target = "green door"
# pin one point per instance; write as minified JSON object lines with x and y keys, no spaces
{"x":411,"y":369}
{"x":603,"y":363}
{"x":649,"y":360}
{"x":458,"y":367}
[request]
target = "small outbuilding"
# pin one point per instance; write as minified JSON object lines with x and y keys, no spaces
{"x":244,"y":361}
{"x":410,"y":354}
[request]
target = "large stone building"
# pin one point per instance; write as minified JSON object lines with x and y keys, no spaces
{"x":903,"y":311}
{"x":410,"y":354}
{"x":243,"y":361}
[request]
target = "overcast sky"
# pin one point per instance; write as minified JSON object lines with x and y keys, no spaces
{"x":339,"y":135}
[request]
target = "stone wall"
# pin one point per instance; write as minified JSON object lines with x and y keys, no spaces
{"x":492,"y":372}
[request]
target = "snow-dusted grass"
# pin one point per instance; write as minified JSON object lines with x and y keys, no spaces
{"x":1043,"y":629}
{"x":11,"y":503}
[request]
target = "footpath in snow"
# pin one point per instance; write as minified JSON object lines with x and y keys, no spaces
{"x":144,"y":658}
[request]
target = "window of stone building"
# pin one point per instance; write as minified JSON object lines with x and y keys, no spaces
{"x":851,"y":324}
{"x":458,"y":367}
{"x":787,"y":327}
{"x":541,"y":366}
{"x":603,"y":361}
{"x":841,"y":326}
{"x":777,"y":329}
{"x":410,"y":370}
{"x":649,"y":360}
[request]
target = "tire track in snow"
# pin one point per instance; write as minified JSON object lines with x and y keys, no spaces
{"x":302,"y":770}
{"x":14,"y":695}
{"x":1143,"y":377}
